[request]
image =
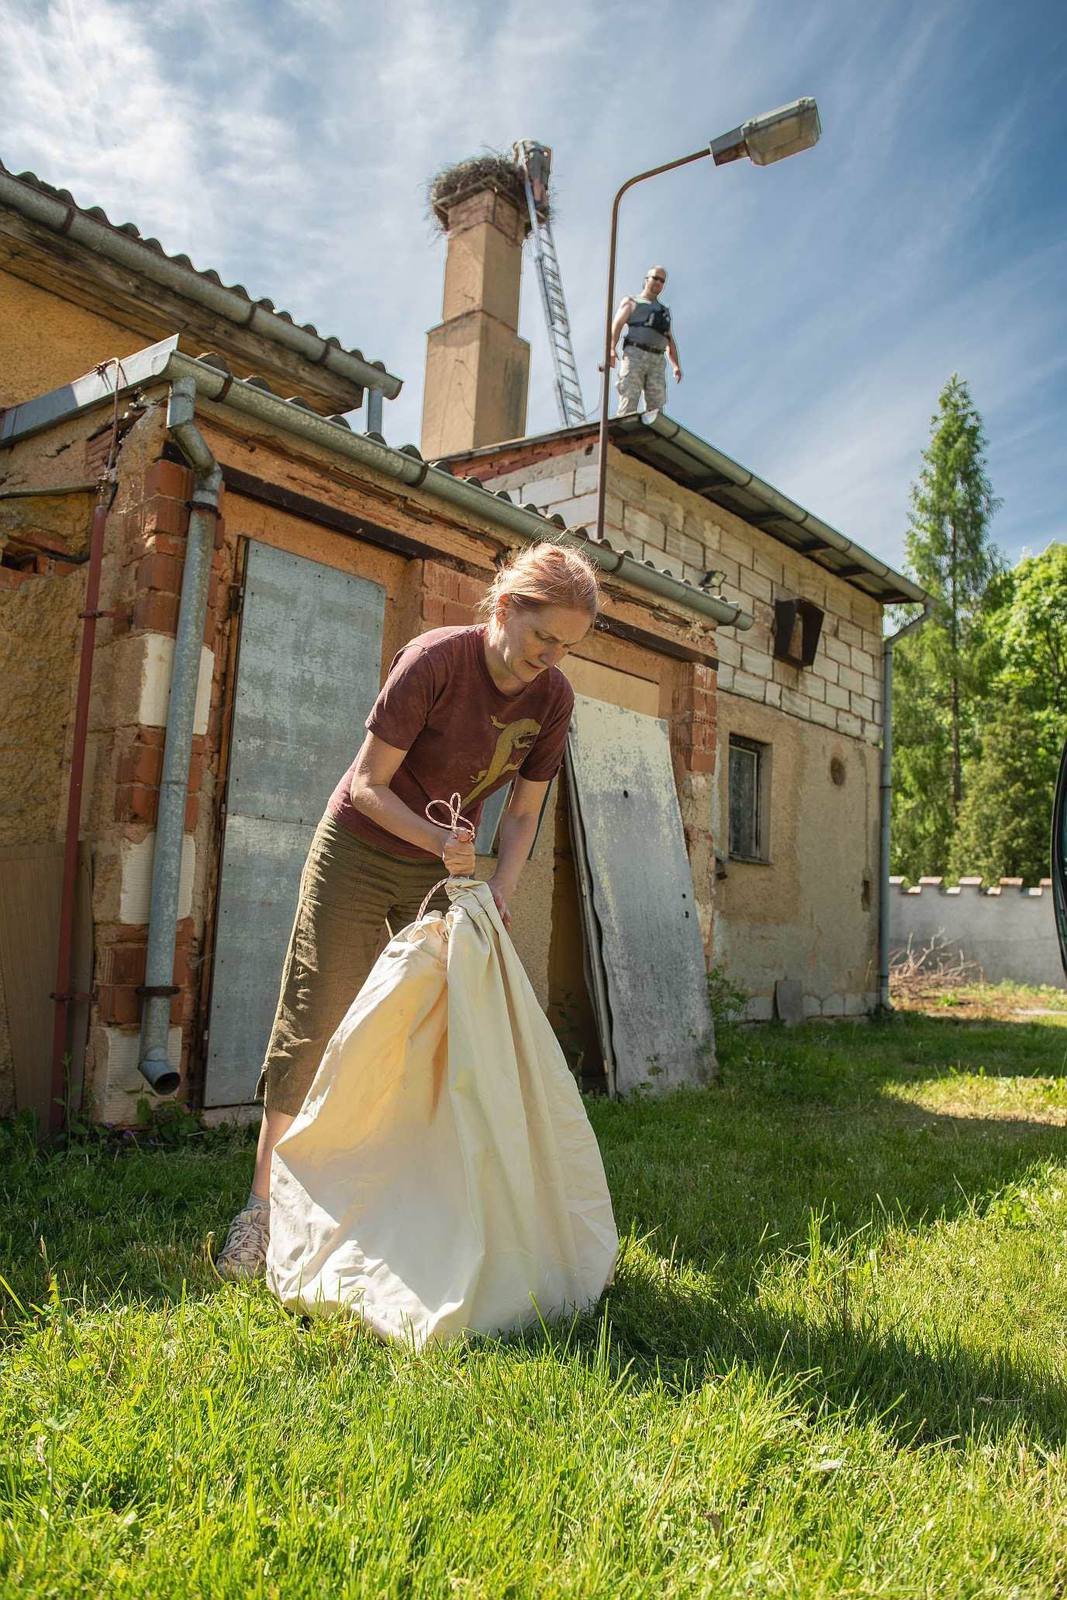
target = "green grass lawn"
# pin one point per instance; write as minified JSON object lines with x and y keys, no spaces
{"x":832,"y":1363}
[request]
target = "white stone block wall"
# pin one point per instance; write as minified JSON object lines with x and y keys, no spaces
{"x":677,"y":529}
{"x":1007,"y":930}
{"x":117,"y":1086}
{"x":760,"y":1007}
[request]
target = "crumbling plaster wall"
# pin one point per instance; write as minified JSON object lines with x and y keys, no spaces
{"x":47,"y":341}
{"x":39,"y":641}
{"x":809,"y":912}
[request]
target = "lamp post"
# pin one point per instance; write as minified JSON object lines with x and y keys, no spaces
{"x":763,"y":139}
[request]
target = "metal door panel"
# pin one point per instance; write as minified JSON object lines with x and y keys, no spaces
{"x":662,"y":1033}
{"x":262,"y":869}
{"x":308,"y":671}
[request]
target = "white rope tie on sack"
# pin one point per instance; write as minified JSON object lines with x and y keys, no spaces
{"x":456,"y":820}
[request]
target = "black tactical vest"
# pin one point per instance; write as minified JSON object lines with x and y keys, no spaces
{"x":648,"y":325}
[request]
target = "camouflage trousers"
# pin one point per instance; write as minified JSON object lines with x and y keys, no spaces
{"x":642,"y":369}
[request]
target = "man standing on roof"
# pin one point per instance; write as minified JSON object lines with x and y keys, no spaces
{"x":648,"y":338}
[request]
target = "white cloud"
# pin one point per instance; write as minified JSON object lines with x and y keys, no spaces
{"x":820,"y":304}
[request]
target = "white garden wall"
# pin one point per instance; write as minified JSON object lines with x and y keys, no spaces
{"x":1007,"y":930}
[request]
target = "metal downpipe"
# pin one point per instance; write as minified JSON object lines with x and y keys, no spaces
{"x":885,"y":797}
{"x":159,"y":988}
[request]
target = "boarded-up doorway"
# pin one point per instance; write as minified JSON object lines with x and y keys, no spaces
{"x":308,"y":670}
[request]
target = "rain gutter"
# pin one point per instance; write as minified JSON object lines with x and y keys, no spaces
{"x":885,"y":796}
{"x":164,"y":363}
{"x":133,"y":254}
{"x":159,"y":987}
{"x":733,"y":473}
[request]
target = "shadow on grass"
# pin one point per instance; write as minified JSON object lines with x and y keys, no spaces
{"x":937,"y":1392}
{"x":114,"y":1217}
{"x":811,"y":1119}
{"x":722,"y":1180}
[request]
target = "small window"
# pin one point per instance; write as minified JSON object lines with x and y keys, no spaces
{"x":750,"y":771}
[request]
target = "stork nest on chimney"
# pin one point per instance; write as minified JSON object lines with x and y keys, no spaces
{"x":492,"y":171}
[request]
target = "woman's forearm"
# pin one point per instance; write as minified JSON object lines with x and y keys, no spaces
{"x":516,"y":841}
{"x":381,"y":806}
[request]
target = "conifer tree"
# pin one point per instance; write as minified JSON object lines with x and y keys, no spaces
{"x":940,"y":668}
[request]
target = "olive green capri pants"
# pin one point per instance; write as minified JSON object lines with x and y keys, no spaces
{"x":348,"y":891}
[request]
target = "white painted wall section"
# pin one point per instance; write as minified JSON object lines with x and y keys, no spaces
{"x":157,"y":667}
{"x":118,"y":1084}
{"x":136,"y":878}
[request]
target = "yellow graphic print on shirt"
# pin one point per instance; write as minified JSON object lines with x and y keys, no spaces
{"x":511,"y":751}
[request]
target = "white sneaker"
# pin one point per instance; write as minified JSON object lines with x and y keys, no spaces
{"x":245,"y":1251}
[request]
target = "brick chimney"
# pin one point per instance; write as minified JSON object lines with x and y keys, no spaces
{"x":477,"y":367}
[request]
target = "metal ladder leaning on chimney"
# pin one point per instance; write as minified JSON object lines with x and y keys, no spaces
{"x":528,"y":153}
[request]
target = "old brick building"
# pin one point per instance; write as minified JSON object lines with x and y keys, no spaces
{"x":322,"y":550}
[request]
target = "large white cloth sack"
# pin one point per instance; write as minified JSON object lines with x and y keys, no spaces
{"x":442,"y":1176}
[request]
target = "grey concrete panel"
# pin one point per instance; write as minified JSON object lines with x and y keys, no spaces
{"x":642,"y":888}
{"x":308,"y":671}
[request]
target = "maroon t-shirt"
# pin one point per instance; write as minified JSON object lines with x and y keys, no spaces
{"x":461,"y":734}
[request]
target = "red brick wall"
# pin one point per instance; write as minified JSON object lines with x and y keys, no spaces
{"x":121,"y":954}
{"x":448,"y":597}
{"x":693,"y":717}
{"x":503,"y":460}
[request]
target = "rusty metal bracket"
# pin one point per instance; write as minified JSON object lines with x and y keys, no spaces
{"x":150,"y":991}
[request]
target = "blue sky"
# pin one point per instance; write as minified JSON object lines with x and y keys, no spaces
{"x":819,"y":304}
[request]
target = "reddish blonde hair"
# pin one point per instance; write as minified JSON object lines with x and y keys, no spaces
{"x":545,"y":574}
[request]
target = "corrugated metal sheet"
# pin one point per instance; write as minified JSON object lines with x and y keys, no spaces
{"x":308,"y":670}
{"x":658,"y":441}
{"x":207,"y":274}
{"x":646,"y":927}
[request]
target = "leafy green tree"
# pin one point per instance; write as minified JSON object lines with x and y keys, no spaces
{"x":1032,"y":619}
{"x":942,"y":670}
{"x":1003,"y":826}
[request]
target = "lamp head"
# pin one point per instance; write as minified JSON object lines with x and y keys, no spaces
{"x":772,"y":137}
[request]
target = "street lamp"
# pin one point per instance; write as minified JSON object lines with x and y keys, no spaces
{"x":765,"y":139}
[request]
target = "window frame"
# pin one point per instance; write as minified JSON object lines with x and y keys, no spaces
{"x":761,"y":815}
